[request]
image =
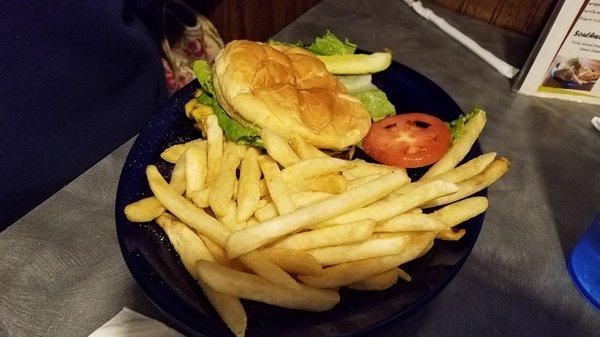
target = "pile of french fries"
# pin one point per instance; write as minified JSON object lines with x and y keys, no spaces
{"x":290,"y":226}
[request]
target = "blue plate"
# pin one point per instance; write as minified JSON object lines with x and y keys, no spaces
{"x":156,"y":267}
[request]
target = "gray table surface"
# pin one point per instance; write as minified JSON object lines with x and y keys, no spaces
{"x":62,"y":274}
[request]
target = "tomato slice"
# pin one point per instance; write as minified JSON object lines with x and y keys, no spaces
{"x":407,"y":140}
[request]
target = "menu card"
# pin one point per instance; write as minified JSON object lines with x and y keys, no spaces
{"x":565,"y":62}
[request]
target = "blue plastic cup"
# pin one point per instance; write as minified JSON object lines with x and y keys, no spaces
{"x":584,"y":264}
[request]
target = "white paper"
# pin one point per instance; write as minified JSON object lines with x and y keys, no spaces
{"x":596,"y":122}
{"x":128,"y":323}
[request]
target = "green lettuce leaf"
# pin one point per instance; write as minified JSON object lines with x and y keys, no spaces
{"x":203,"y":72}
{"x":457,"y":126}
{"x":292,"y":44}
{"x":233,"y":129}
{"x":377,"y":103}
{"x":329,"y":44}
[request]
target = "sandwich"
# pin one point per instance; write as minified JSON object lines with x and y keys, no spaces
{"x":292,"y":91}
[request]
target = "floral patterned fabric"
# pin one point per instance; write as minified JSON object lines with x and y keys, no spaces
{"x":199,"y":42}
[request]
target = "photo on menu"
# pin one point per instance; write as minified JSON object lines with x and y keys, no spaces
{"x":575,"y":73}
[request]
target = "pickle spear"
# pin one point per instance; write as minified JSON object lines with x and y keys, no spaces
{"x":355,"y":64}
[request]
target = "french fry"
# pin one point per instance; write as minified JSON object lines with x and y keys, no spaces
{"x":411,"y":223}
{"x":195,"y":169}
{"x":343,"y":234}
{"x":199,"y":115}
{"x":463,"y":172}
{"x":377,"y":282}
{"x":216,"y":251}
{"x":178,"y":179}
{"x":251,"y":221}
{"x":386,"y":209}
{"x":362,"y":180}
{"x":174,"y":152}
{"x":260,"y":264}
{"x":460,"y":211}
{"x":264,"y":190}
{"x":184,"y":209}
{"x":230,"y":219}
{"x":248,"y":194}
{"x":228,"y":307}
{"x":264,"y":201}
{"x":214,"y":151}
{"x":331,"y":183}
{"x":473,"y":185}
{"x":253,"y":237}
{"x":237,"y":265}
{"x":266,"y":212}
{"x":403,"y":275}
{"x":277,"y":188}
{"x":293,"y":261}
{"x":189,"y":106}
{"x":460,"y":146}
{"x":149,"y":208}
{"x":362,"y":169}
{"x":328,"y":256}
{"x":451,"y":235}
{"x":254,"y":287}
{"x":186,"y":242}
{"x":304,"y":150}
{"x":302,"y":199}
{"x":221,"y":189}
{"x":144,"y":210}
{"x":278,"y":148}
{"x":426,"y":249}
{"x":314,"y":167}
{"x":200,"y":198}
{"x":192,"y":249}
{"x":385,"y":235}
{"x":352,"y":272}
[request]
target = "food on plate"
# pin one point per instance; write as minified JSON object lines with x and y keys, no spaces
{"x":353,"y":232}
{"x":191,"y":250}
{"x":256,"y":236}
{"x":374,"y":247}
{"x":408,"y":140}
{"x":294,"y":261}
{"x":144,"y":210}
{"x":463,"y":172}
{"x":264,"y":267}
{"x":407,"y":222}
{"x":465,"y":131}
{"x":356,"y":64}
{"x":289,"y":91}
{"x":253,"y":287}
{"x":248,"y":191}
{"x":195,"y":169}
{"x":377,"y":282}
{"x":473,"y":185}
{"x":257,"y":208}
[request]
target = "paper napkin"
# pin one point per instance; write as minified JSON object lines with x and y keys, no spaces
{"x":128,"y":323}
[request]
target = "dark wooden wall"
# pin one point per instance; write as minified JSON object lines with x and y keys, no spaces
{"x":522,"y":16}
{"x":256,"y":19}
{"x":259,"y":19}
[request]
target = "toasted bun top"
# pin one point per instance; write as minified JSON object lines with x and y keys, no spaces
{"x":288,"y":90}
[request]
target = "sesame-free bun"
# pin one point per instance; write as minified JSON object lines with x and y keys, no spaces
{"x":289,"y":91}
